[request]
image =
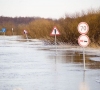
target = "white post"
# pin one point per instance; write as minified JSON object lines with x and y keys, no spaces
{"x":26,"y":36}
{"x":4,"y":33}
{"x":12,"y":32}
{"x":84,"y":57}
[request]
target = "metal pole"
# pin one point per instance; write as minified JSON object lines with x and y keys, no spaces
{"x":55,"y":42}
{"x":84,"y":57}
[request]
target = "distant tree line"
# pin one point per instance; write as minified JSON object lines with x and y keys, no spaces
{"x":17,"y":20}
{"x":41,"y":27}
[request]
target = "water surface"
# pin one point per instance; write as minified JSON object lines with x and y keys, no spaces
{"x":31,"y":65}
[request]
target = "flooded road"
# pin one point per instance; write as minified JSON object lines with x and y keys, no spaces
{"x":31,"y":65}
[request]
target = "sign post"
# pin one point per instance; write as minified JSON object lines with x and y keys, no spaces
{"x":83,"y":39}
{"x":25,"y":32}
{"x":4,"y":30}
{"x":55,"y":32}
{"x":55,"y":40}
{"x":12,"y":31}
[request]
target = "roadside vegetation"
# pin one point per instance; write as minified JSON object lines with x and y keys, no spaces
{"x":41,"y":28}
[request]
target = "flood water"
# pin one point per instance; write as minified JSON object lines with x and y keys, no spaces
{"x":32,"y":65}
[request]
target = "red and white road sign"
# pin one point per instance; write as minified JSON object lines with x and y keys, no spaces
{"x":55,"y":31}
{"x":25,"y":32}
{"x":83,"y":40}
{"x":83,"y":28}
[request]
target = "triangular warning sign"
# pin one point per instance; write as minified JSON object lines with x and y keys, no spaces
{"x":55,"y":31}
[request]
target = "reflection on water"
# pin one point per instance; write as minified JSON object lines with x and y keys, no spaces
{"x":71,"y":57}
{"x":33,"y":66}
{"x":17,"y":88}
{"x":83,"y":85}
{"x":77,"y":58}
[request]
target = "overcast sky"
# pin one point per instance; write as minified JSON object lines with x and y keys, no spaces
{"x":45,"y":8}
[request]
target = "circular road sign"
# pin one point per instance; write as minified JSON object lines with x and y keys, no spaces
{"x":83,"y":40}
{"x":83,"y":28}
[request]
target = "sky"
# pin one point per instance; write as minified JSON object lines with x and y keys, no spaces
{"x":45,"y":8}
